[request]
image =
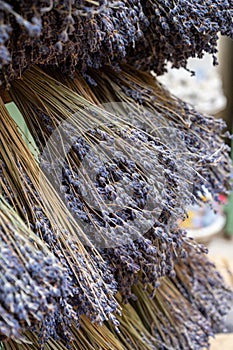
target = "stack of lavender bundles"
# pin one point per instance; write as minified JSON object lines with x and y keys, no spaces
{"x":120,"y":161}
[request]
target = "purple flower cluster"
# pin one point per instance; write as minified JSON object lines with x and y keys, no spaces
{"x":139,"y":232}
{"x":203,"y":287}
{"x":108,"y":222}
{"x":34,"y":284}
{"x":154,"y":154}
{"x":88,"y":285}
{"x":195,"y":301}
{"x":190,"y":146}
{"x":179,"y":30}
{"x":145,"y":34}
{"x":164,"y":175}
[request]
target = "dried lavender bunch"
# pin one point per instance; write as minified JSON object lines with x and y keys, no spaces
{"x":201,"y":160}
{"x":178,"y":316}
{"x":146,"y":34}
{"x":87,"y":337}
{"x":33,"y":282}
{"x":112,"y":227}
{"x":153,"y":254}
{"x":179,"y":30}
{"x":91,"y":284}
{"x":205,"y":160}
{"x":203,"y":286}
{"x":51,"y":30}
{"x":182,"y":313}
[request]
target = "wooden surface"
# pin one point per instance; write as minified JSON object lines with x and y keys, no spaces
{"x":222,"y":342}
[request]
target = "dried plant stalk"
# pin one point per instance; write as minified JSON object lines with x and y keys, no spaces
{"x":89,"y":281}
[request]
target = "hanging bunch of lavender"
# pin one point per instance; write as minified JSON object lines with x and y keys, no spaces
{"x":119,"y":163}
{"x":132,"y":148}
{"x":88,"y":336}
{"x":172,"y":325}
{"x":179,"y":30}
{"x":203,"y":158}
{"x":182,"y":313}
{"x":144,"y":339}
{"x":90,"y":284}
{"x":178,"y":316}
{"x":202,"y":285}
{"x":111,"y":178}
{"x":145,"y":34}
{"x":32,"y":282}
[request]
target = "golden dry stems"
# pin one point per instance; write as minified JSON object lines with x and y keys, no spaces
{"x":14,"y":152}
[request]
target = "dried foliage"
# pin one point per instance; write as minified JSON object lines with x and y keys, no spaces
{"x":145,"y":34}
{"x":179,"y":315}
{"x":175,"y":298}
{"x":77,"y":246}
{"x":134,"y":231}
{"x":83,"y":271}
{"x":180,"y":150}
{"x":31,"y":279}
